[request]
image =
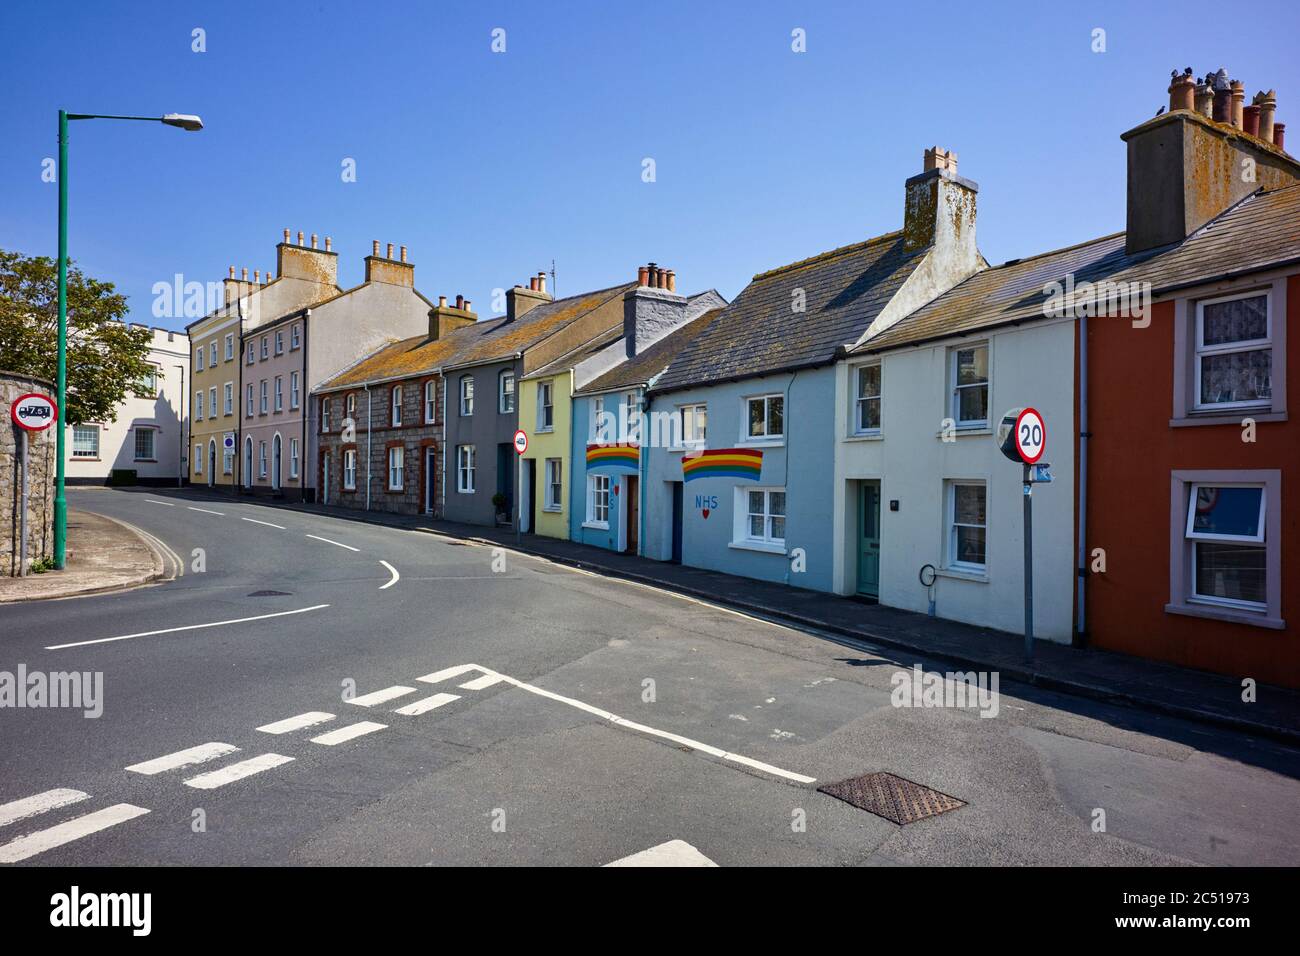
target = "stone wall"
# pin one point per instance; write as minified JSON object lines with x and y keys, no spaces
{"x":41,"y":449}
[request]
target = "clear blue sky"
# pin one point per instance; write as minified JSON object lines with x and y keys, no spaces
{"x":488,"y":166}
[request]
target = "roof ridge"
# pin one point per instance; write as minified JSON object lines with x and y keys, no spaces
{"x":1055,"y":252}
{"x":824,"y":256}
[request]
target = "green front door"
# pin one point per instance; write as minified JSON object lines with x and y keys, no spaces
{"x":869,"y":540}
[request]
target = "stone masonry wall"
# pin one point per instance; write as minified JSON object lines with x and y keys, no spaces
{"x":40,"y":479}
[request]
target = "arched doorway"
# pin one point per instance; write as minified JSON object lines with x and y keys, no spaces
{"x":212,"y":462}
{"x":275,"y":463}
{"x":248,"y":462}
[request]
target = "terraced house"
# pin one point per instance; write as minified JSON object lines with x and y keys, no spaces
{"x":749,"y":491}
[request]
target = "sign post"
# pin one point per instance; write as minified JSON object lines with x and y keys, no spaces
{"x":521,"y":446}
{"x":32,"y":412}
{"x":1022,"y":437}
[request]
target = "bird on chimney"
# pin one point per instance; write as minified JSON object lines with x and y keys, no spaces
{"x":1159,"y":111}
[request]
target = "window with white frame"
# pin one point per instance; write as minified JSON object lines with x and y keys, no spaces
{"x":261,"y":459}
{"x":198,"y":459}
{"x":598,"y":500}
{"x":396,"y":457}
{"x":765,"y":418}
{"x":396,"y":402}
{"x":198,"y":405}
{"x":248,"y":400}
{"x":969,"y":377}
{"x":144,"y":450}
{"x":262,"y":397}
{"x":252,"y":354}
{"x":294,"y":397}
{"x":506,"y":392}
{"x":212,"y":402}
{"x":85,"y":441}
{"x":430,"y":401}
{"x":1225,"y":538}
{"x":199,"y":356}
{"x":325,"y":405}
{"x":1234,"y":351}
{"x":545,"y":406}
{"x":230,"y":346}
{"x":554,"y":485}
{"x":465,"y":469}
{"x":295,"y":337}
{"x":866,"y":402}
{"x":350,"y":405}
{"x":279,"y":393}
{"x":228,"y":399}
{"x":967,"y":523}
{"x":212,"y":353}
{"x":595,"y":433}
{"x":632,"y":407}
{"x":279,"y":342}
{"x":350,"y":469}
{"x":695,"y":422}
{"x":147,"y":387}
{"x":467,"y":395}
{"x":765,"y":515}
{"x":227,"y":460}
{"x":293,"y":458}
{"x":266,"y":346}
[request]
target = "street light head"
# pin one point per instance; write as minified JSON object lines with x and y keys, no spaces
{"x":184,"y":121}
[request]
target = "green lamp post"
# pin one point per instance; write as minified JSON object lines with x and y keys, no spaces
{"x":180,"y":120}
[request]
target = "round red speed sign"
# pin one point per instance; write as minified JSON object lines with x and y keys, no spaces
{"x":1030,"y":436}
{"x":521,"y":441}
{"x":34,"y":412}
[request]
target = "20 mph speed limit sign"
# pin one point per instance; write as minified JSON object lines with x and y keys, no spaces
{"x":1030,"y":436}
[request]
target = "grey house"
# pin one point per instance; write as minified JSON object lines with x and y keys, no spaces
{"x":481,"y":390}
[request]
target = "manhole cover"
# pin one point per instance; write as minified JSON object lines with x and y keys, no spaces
{"x":270,"y":594}
{"x":894,"y":798}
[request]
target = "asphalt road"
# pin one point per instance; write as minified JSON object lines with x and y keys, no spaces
{"x":722,"y":721}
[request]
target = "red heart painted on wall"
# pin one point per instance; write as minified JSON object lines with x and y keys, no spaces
{"x":705,"y":512}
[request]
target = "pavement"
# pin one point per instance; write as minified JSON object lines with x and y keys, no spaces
{"x":104,"y":554}
{"x":321,"y":690}
{"x":1099,"y":675}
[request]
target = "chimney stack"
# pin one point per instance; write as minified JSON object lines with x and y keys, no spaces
{"x":1182,"y":90}
{"x":652,"y":309}
{"x":520,"y":300}
{"x":387,"y":269}
{"x":299,"y":261}
{"x":939,"y":212}
{"x":443,"y":319}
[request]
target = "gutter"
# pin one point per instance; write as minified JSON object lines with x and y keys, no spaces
{"x":1081,"y":488}
{"x":305,"y":411}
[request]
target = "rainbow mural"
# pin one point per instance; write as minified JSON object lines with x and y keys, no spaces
{"x":723,"y":463}
{"x":614,"y":457}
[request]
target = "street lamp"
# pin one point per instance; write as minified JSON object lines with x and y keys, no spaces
{"x":184,"y":121}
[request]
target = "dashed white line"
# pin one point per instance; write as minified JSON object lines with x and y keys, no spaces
{"x":309,"y":719}
{"x":187,"y":627}
{"x":344,"y":734}
{"x":426,"y":705}
{"x":380,"y":696}
{"x":267,"y":523}
{"x":237,"y":771}
{"x":479,"y":683}
{"x":206,"y":511}
{"x":337,"y":544}
{"x":75,"y":829}
{"x":39,"y":803}
{"x":184,"y":758}
{"x":165,"y":504}
{"x":393,"y":580}
{"x":672,"y":853}
{"x":447,"y":673}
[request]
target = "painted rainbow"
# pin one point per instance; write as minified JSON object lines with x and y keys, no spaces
{"x":614,"y":456}
{"x":723,"y":463}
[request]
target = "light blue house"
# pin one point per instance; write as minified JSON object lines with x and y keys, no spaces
{"x":747,"y":485}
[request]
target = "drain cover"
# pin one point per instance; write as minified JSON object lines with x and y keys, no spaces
{"x":270,"y":594}
{"x":896,"y":799}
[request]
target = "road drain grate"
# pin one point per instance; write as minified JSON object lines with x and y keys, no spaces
{"x":896,"y":799}
{"x":270,"y":594}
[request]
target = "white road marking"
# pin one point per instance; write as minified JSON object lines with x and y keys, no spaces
{"x":165,"y":504}
{"x":395,"y":578}
{"x":309,"y":719}
{"x":632,"y":725}
{"x":380,"y":696}
{"x":338,"y":544}
{"x":237,"y":771}
{"x":187,"y":627}
{"x":75,"y":829}
{"x":267,"y":523}
{"x":478,"y":683}
{"x":344,"y":734}
{"x":40,"y":803}
{"x":184,"y":758}
{"x":447,"y":673}
{"x":672,"y":853}
{"x":206,"y":511}
{"x":426,"y":705}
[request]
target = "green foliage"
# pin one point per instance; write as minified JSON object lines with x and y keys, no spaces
{"x":106,"y":357}
{"x":41,"y":566}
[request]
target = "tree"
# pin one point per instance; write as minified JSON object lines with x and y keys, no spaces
{"x":106,"y":357}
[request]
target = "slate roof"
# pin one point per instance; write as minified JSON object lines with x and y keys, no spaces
{"x":1261,"y":231}
{"x":845,"y":289}
{"x":643,"y":368}
{"x":584,"y":351}
{"x":419,"y":355}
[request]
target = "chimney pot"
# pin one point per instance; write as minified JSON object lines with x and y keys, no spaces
{"x":532,"y":283}
{"x":257,"y":276}
{"x":672,"y":281}
{"x":300,"y":237}
{"x":286,"y":234}
{"x":442,"y":302}
{"x":1250,"y":120}
{"x":390,"y":251}
{"x":327,"y":243}
{"x":232,"y":272}
{"x":460,"y":301}
{"x":643,"y":275}
{"x":1279,"y":135}
{"x":1222,"y":104}
{"x":244,"y":273}
{"x":1205,"y":99}
{"x":467,"y":308}
{"x":1267,"y":103}
{"x":313,"y":240}
{"x":1182,"y":92}
{"x":541,"y":282}
{"x":1238,"y":91}
{"x":403,"y":253}
{"x":374,"y":247}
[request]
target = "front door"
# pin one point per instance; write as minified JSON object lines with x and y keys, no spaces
{"x":633,"y":514}
{"x":324,"y":477}
{"x":430,"y":480}
{"x":869,"y":540}
{"x":275,"y":464}
{"x":212,"y":464}
{"x":678,"y":507}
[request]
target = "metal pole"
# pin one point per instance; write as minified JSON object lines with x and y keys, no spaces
{"x":22,"y":521}
{"x":60,"y":501}
{"x":519,"y":500}
{"x":1029,"y":567}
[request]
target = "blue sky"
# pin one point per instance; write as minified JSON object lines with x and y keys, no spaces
{"x":488,"y":166}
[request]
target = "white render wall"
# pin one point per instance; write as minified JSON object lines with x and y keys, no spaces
{"x":1029,"y":365}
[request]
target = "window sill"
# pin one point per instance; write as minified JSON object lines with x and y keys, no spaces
{"x":545,"y":431}
{"x":145,"y":461}
{"x":963,"y":431}
{"x":596,"y":525}
{"x":964,"y":574}
{"x":864,"y":436}
{"x":1231,"y":615}
{"x":553,"y":510}
{"x":762,"y":442}
{"x":464,"y":491}
{"x":1219,"y":418}
{"x":766,"y":547}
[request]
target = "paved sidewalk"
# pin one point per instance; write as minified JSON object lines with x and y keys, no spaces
{"x":1099,"y":675}
{"x":103,"y":555}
